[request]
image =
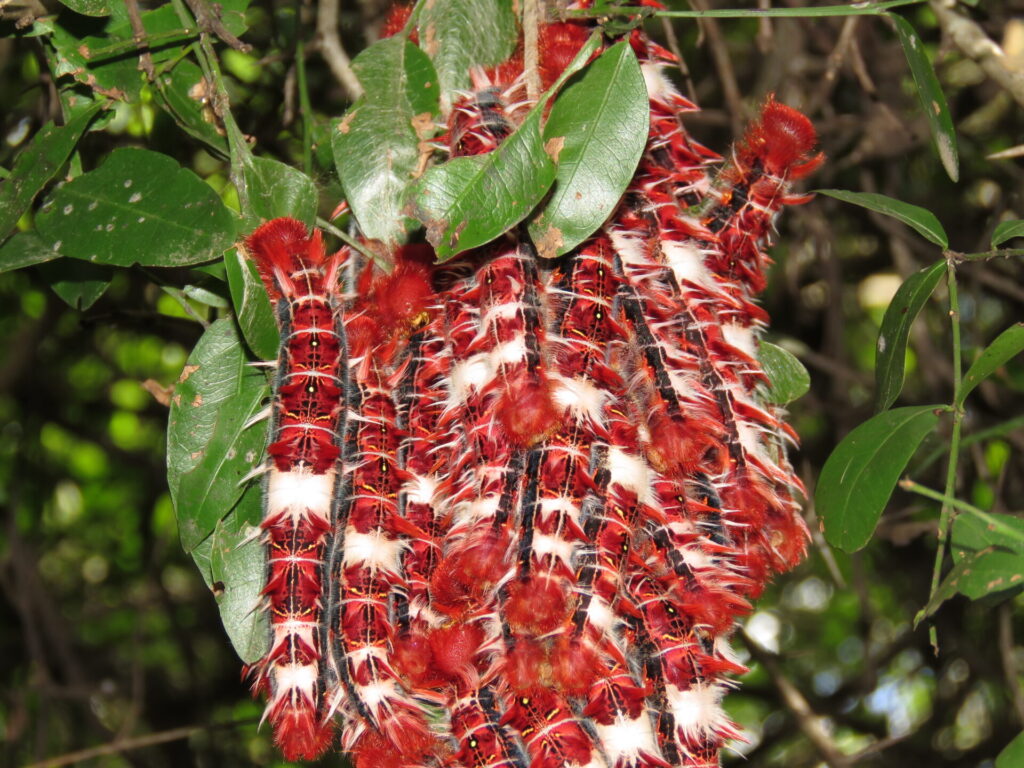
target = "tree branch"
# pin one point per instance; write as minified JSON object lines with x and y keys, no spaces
{"x":332,"y":51}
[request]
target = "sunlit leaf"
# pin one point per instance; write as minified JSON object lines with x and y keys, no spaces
{"x":139,"y":207}
{"x":933,"y":100}
{"x":858,"y":478}
{"x":599,"y":123}
{"x":1003,"y":348}
{"x":914,"y":216}
{"x":210,"y":446}
{"x":788,"y":380}
{"x":39,"y":162}
{"x":891,"y":349}
{"x":377,"y":144}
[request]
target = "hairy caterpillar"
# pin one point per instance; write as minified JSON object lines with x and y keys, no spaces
{"x":307,"y":421}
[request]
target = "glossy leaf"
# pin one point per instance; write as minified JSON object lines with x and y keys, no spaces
{"x":469,"y":201}
{"x":933,"y":100}
{"x":277,"y":189}
{"x":210,"y":446}
{"x":377,"y":144}
{"x":788,"y":380}
{"x":78,"y":283}
{"x":1013,"y":755}
{"x":858,"y":478}
{"x":139,"y":207}
{"x":599,"y":122}
{"x":1007,"y":230}
{"x":914,"y":216}
{"x":1003,"y":348}
{"x":461,"y":34}
{"x":891,"y":348}
{"x":24,"y":250}
{"x":252,"y":306}
{"x":237,"y":566}
{"x":39,"y":162}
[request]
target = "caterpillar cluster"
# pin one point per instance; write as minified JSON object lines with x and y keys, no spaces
{"x":515,"y":506}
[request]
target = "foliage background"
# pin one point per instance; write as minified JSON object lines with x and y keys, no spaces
{"x":110,"y":637}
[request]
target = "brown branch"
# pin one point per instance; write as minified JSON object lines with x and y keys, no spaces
{"x":139,"y":36}
{"x":975,"y":44}
{"x":532,"y":15}
{"x":209,"y":21}
{"x":673,"y":45}
{"x":331,"y":49}
{"x":126,"y":745}
{"x":806,"y":719}
{"x":723,"y":63}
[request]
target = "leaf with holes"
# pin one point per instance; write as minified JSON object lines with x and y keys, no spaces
{"x":601,"y":121}
{"x":914,"y":216}
{"x":858,"y":478}
{"x":461,"y":34}
{"x":252,"y":306}
{"x":210,"y":444}
{"x":788,"y":380}
{"x":377,"y":144}
{"x":1006,"y":346}
{"x":139,"y":207}
{"x":891,"y":348}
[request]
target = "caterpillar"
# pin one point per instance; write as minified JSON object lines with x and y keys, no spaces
{"x":307,"y":421}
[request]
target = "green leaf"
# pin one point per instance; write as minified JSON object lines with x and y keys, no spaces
{"x":376,"y":147}
{"x":461,"y":34}
{"x":238,"y":567}
{"x":920,"y":219}
{"x":210,"y":446}
{"x":933,"y":100}
{"x":139,"y":207}
{"x":252,"y":305}
{"x":1013,"y":755}
{"x":891,"y":349}
{"x":1003,"y":348}
{"x":972,"y":532}
{"x":469,"y":201}
{"x":181,"y":92}
{"x":89,"y":7}
{"x":24,"y":250}
{"x":601,"y":118}
{"x":788,"y":380}
{"x":78,"y":283}
{"x":1007,"y":230}
{"x":858,"y":478}
{"x":951,"y":584}
{"x":277,"y":189}
{"x":39,"y":162}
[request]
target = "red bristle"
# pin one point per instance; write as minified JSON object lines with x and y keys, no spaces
{"x":783,"y":139}
{"x":536,"y":605}
{"x":527,"y":412}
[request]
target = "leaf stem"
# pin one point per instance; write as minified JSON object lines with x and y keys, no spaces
{"x":954,"y":441}
{"x":994,"y":522}
{"x":305,"y":107}
{"x":347,"y":239}
{"x":237,"y":146}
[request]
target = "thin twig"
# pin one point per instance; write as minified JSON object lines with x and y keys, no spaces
{"x":723,"y":63}
{"x":208,"y":19}
{"x":332,"y":50}
{"x":127,"y":745}
{"x":806,"y":719}
{"x":677,"y":51}
{"x":532,"y":14}
{"x":975,"y":44}
{"x":139,"y":36}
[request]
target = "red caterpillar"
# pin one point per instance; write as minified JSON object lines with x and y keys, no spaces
{"x":307,"y":421}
